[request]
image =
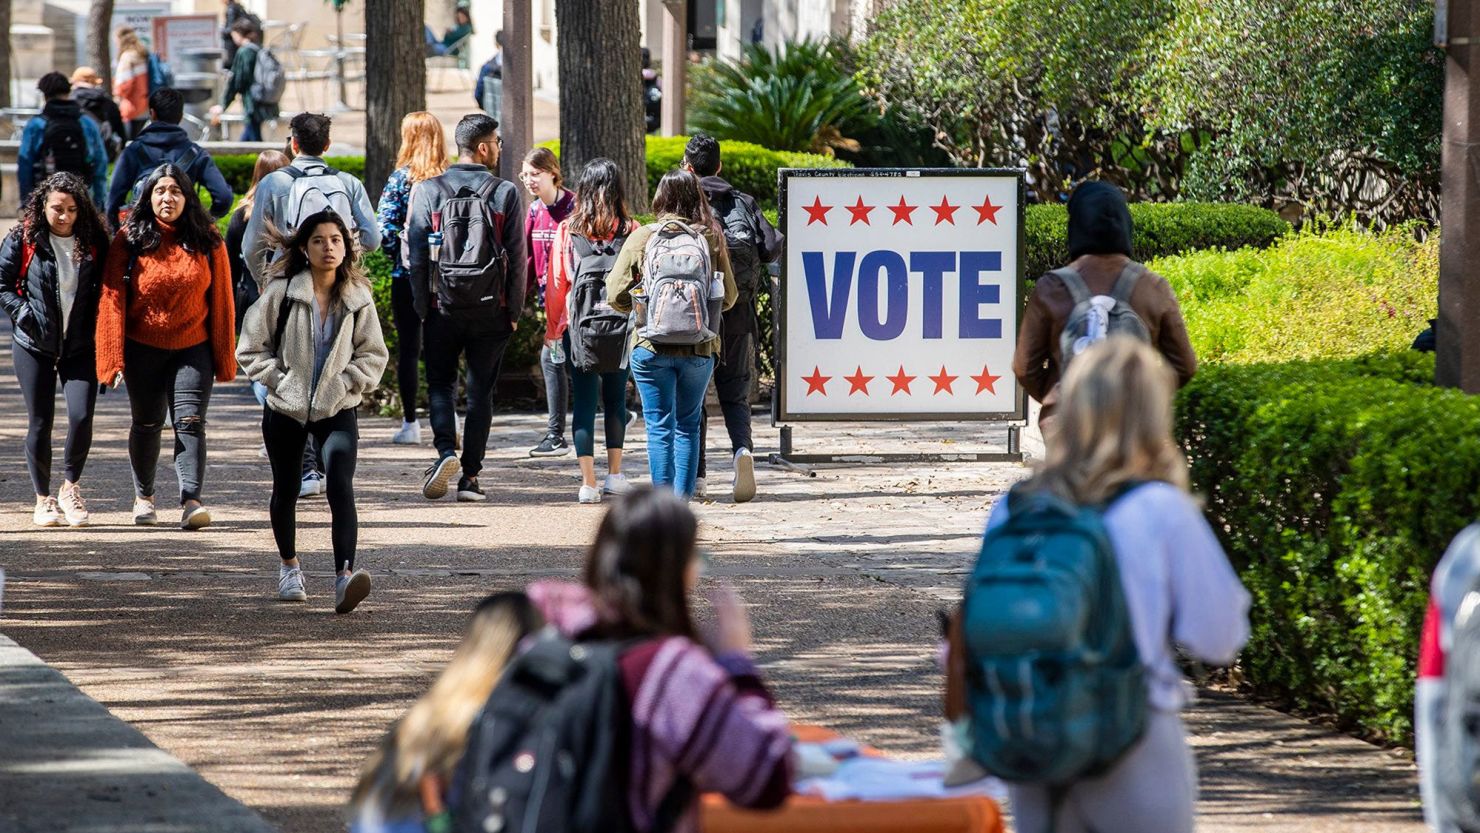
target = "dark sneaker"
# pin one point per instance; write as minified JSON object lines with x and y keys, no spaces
{"x":550,"y":447}
{"x":350,"y":590}
{"x":468,"y":490}
{"x":438,"y":475}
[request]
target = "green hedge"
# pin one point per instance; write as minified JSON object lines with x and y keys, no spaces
{"x":237,"y":168}
{"x":1161,"y":229}
{"x":1336,"y":486}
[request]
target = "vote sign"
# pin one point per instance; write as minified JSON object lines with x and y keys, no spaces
{"x":900,"y":293}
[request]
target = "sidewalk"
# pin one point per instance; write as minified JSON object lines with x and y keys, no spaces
{"x":278,"y":705}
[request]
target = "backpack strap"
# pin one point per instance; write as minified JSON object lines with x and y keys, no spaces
{"x":28,"y":252}
{"x":1072,"y":282}
{"x":282,"y":322}
{"x":1126,"y":283}
{"x":188,"y":160}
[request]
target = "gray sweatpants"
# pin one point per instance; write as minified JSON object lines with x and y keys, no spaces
{"x":1153,"y":789}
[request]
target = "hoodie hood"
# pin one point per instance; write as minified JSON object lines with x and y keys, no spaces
{"x":715,"y":186}
{"x":1099,"y":221}
{"x":164,"y":136}
{"x":64,"y":108}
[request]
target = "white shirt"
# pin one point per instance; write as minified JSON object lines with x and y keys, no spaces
{"x":66,"y":275}
{"x":1179,"y":587}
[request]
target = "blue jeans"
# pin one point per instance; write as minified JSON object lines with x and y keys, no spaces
{"x":672,"y":390}
{"x":252,"y":130}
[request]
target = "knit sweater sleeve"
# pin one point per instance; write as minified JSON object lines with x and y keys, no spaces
{"x":222,"y":317}
{"x":112,"y":311}
{"x":723,"y":733}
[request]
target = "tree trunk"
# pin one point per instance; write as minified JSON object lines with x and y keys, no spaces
{"x":601,"y":91}
{"x":5,"y":63}
{"x":395,"y":82}
{"x":100,"y":40}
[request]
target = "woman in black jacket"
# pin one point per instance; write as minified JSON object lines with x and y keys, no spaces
{"x":51,"y":276}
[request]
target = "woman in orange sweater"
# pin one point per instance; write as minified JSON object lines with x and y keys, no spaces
{"x":165,"y":328}
{"x":131,"y":80}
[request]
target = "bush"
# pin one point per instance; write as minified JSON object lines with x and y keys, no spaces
{"x":1312,"y":295}
{"x":1161,"y":229}
{"x":1336,"y":485}
{"x":750,"y":168}
{"x":237,"y":168}
{"x":797,"y":96}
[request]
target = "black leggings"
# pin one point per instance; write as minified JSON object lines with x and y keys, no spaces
{"x":37,"y":376}
{"x":176,"y":382}
{"x":339,"y":439}
{"x":408,"y":345}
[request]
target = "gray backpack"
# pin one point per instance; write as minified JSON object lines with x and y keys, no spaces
{"x":1097,"y":317}
{"x":676,"y":282}
{"x":1458,"y":743}
{"x":268,"y":78}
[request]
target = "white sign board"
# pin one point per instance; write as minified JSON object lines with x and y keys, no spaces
{"x":177,"y":34}
{"x":138,"y":16}
{"x":900,"y":295}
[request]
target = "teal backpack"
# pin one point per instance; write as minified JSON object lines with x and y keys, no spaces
{"x":1054,"y":682}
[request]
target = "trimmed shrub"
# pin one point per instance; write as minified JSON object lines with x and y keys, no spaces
{"x":1161,"y":229}
{"x":1335,"y":485}
{"x":1312,"y":295}
{"x":237,"y":168}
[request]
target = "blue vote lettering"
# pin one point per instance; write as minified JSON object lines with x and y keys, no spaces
{"x":884,"y":317}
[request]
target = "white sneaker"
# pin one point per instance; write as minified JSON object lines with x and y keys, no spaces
{"x":350,"y":590}
{"x":73,"y":509}
{"x":615,"y":484}
{"x":144,"y":514}
{"x":744,"y":475}
{"x":699,"y":487}
{"x":290,"y":585}
{"x":313,"y":484}
{"x":47,"y":513}
{"x":589,"y":494}
{"x":408,"y":434}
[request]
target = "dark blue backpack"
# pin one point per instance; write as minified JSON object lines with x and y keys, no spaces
{"x":160,"y":74}
{"x":1054,"y":682}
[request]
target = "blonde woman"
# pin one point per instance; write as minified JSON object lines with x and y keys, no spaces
{"x":131,"y":79}
{"x":423,"y":156}
{"x":1113,"y":444}
{"x":403,"y":787}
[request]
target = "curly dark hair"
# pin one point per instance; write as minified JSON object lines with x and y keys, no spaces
{"x":88,"y":229}
{"x":195,"y":230}
{"x":295,"y":259}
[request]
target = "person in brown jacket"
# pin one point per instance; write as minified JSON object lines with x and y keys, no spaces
{"x":1099,"y":250}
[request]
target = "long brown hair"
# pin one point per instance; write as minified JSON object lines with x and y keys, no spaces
{"x":267,"y":162}
{"x":423,"y":146}
{"x":679,"y":194}
{"x":1113,"y":425}
{"x":638,"y":566}
{"x":429,"y":739}
{"x":601,"y":210}
{"x":88,"y":228}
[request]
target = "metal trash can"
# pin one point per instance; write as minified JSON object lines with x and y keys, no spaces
{"x":198,"y":78}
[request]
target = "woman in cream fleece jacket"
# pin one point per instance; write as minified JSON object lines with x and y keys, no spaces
{"x":314,"y":341}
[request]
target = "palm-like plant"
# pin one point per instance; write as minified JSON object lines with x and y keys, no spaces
{"x":798,"y":97}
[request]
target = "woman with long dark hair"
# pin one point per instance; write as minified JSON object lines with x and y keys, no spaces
{"x":672,"y":377}
{"x":584,"y":244}
{"x":51,"y":271}
{"x":687,"y":689}
{"x":314,"y":341}
{"x":165,"y":327}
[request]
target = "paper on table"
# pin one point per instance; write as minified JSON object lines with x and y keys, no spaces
{"x":880,"y":779}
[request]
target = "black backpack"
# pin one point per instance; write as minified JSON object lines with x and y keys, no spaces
{"x":184,"y":162}
{"x":598,"y":333}
{"x":63,"y":148}
{"x":740,"y":228}
{"x":470,"y":267}
{"x":550,"y":751}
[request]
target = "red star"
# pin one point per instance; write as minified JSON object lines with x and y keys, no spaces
{"x":943,"y":381}
{"x":816,"y":383}
{"x":986,"y":382}
{"x":859,"y":211}
{"x":902,"y":212}
{"x":945,"y":212}
{"x":986,"y":212}
{"x":817,"y":212}
{"x":901,"y":382}
{"x":858,"y":382}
